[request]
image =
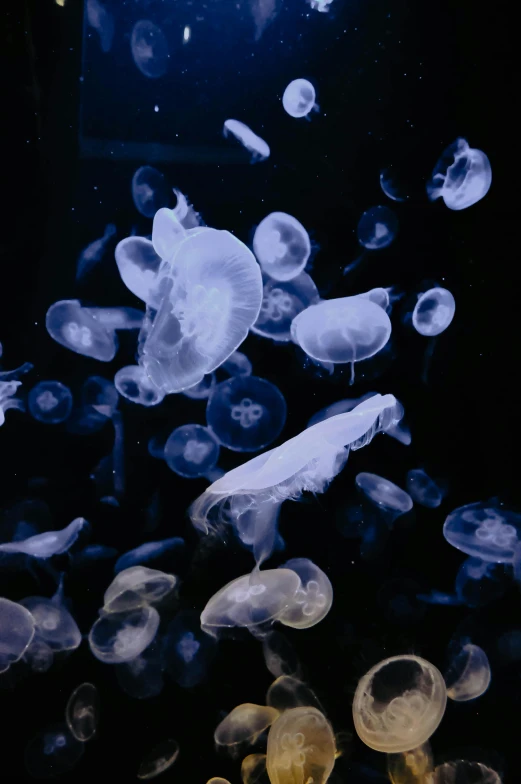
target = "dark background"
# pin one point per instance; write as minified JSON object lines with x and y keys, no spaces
{"x":396,"y":83}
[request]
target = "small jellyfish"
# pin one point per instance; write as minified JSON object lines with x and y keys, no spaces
{"x":279,"y":655}
{"x":301,"y":747}
{"x":149,"y":50}
{"x":52,"y":752}
{"x":288,"y":692}
{"x":244,"y":724}
{"x":191,"y":451}
{"x":82,"y":712}
{"x":203,"y":389}
{"x":133,"y":384}
{"x":422,"y":489}
{"x":463,"y":772}
{"x":50,"y":402}
{"x":485,"y":531}
{"x":7,"y":398}
{"x":49,"y":543}
{"x":253,"y":769}
{"x":102,"y":21}
{"x":479,"y":582}
{"x":433,"y":312}
{"x":254,"y":144}
{"x":159,"y":759}
{"x":120,"y":637}
{"x":469,"y":674}
{"x":187,"y":650}
{"x":149,"y":552}
{"x":53,"y":623}
{"x":39,"y":656}
{"x":256,"y":525}
{"x":399,"y":704}
{"x":142,"y":678}
{"x":150,"y":192}
{"x":281,"y":245}
{"x":461,"y":177}
{"x":312,"y":600}
{"x":390,"y":186}
{"x":377,"y":228}
{"x":138,"y":265}
{"x":136,"y":587}
{"x":99,"y":401}
{"x":16,"y":632}
{"x":388,"y":498}
{"x":410,"y":767}
{"x":93,"y":253}
{"x":282,"y":301}
{"x":299,"y":98}
{"x":237,"y":364}
{"x":246,"y":413}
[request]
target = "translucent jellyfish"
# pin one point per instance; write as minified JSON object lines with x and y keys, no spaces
{"x":138,"y":265}
{"x":282,"y":301}
{"x":49,"y":543}
{"x":50,"y":402}
{"x":390,"y":499}
{"x":150,"y":192}
{"x":313,"y":599}
{"x":191,"y":451}
{"x":170,"y":227}
{"x":461,"y":177}
{"x":463,"y":772}
{"x":288,"y":692}
{"x":93,"y":253}
{"x":99,"y":401}
{"x":244,"y":724}
{"x":299,"y":98}
{"x":256,"y":525}
{"x":377,"y":228}
{"x":52,"y":752}
{"x":410,"y":767}
{"x":301,"y":747}
{"x":16,"y":632}
{"x":399,"y":704}
{"x":39,"y":656}
{"x":340,"y":407}
{"x":203,"y":389}
{"x":53,"y":623}
{"x":281,"y":245}
{"x":237,"y":364}
{"x":136,"y":587}
{"x":479,"y":582}
{"x":246,"y":413}
{"x":422,"y":489}
{"x":142,"y":678}
{"x":149,"y":552}
{"x":159,"y":759}
{"x":149,"y":50}
{"x":322,"y":6}
{"x":253,"y":769}
{"x":133,"y":384}
{"x":253,"y":143}
{"x":217,"y":780}
{"x":120,"y":637}
{"x":468,"y":676}
{"x":187,"y":650}
{"x":309,"y":461}
{"x":390,"y":186}
{"x":7,"y":398}
{"x":209,"y":302}
{"x":82,"y":712}
{"x":433,"y":312}
{"x":279,"y":655}
{"x":484,"y":530}
{"x":102,"y":21}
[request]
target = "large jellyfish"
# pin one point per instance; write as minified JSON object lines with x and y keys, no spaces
{"x":377,"y":228}
{"x":187,"y":650}
{"x":191,"y":451}
{"x":282,"y":301}
{"x":50,"y":402}
{"x":301,"y":747}
{"x":298,"y":98}
{"x":483,"y":530}
{"x":133,"y":384}
{"x":149,"y":49}
{"x":47,"y":544}
{"x":312,"y":600}
{"x":16,"y":632}
{"x":138,"y":265}
{"x":210,"y":299}
{"x":461,"y":177}
{"x":253,"y":143}
{"x":433,"y":312}
{"x":281,"y":245}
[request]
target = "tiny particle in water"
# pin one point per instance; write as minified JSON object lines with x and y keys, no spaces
{"x":156,"y":108}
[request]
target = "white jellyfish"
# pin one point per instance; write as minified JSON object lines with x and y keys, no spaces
{"x":149,"y":49}
{"x":313,"y":598}
{"x":281,"y":245}
{"x":469,"y":675}
{"x":82,"y":712}
{"x":244,"y":724}
{"x":433,"y":312}
{"x":377,"y":228}
{"x":170,"y":227}
{"x":281,"y":302}
{"x":50,"y":402}
{"x":422,"y":489}
{"x":136,"y":587}
{"x":138,"y":265}
{"x":254,"y":144}
{"x":299,"y":98}
{"x":389,"y":499}
{"x":47,"y":544}
{"x":133,"y":384}
{"x":461,"y":177}
{"x":483,"y":530}
{"x":93,"y":253}
{"x":16,"y":632}
{"x":7,"y":398}
{"x":120,"y":637}
{"x":191,"y":451}
{"x":54,"y":625}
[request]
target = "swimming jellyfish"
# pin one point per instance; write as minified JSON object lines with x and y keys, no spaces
{"x":301,"y":747}
{"x":16,"y":632}
{"x":246,"y":413}
{"x":203,"y":389}
{"x":253,"y":143}
{"x":138,"y":266}
{"x":253,"y":769}
{"x":313,"y":598}
{"x":387,"y":497}
{"x":159,"y":759}
{"x":102,"y":21}
{"x":237,"y":364}
{"x":480,"y":582}
{"x":377,"y":228}
{"x":191,"y":451}
{"x":287,"y":692}
{"x":135,"y":587}
{"x":298,"y":98}
{"x":422,"y":489}
{"x":150,"y":190}
{"x":142,"y":677}
{"x":7,"y":398}
{"x":149,"y":49}
{"x":187,"y":650}
{"x":47,"y":544}
{"x":54,"y":625}
{"x":50,"y":402}
{"x":120,"y":637}
{"x":484,"y":530}
{"x":82,"y":712}
{"x":133,"y":384}
{"x":244,"y":724}
{"x":281,"y":302}
{"x":461,"y":177}
{"x":281,"y":245}
{"x":411,"y":767}
{"x":433,"y":312}
{"x":469,"y":675}
{"x":93,"y":253}
{"x":149,"y":552}
{"x":464,"y":772}
{"x":52,"y":752}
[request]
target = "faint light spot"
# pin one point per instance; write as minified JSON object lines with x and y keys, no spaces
{"x":60,"y":2}
{"x":156,"y":108}
{"x":187,"y":33}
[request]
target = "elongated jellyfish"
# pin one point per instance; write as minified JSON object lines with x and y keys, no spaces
{"x":136,"y":587}
{"x":149,"y":49}
{"x":422,"y":489}
{"x":468,"y":676}
{"x":298,"y":98}
{"x":244,"y":724}
{"x":301,"y":746}
{"x":387,"y":497}
{"x":158,"y":759}
{"x":377,"y":228}
{"x":102,"y":21}
{"x":191,"y":451}
{"x":187,"y":650}
{"x":120,"y":637}
{"x":461,"y":177}
{"x":433,"y":312}
{"x":484,"y":530}
{"x":17,"y":630}
{"x":93,"y":253}
{"x":149,"y":552}
{"x":282,"y":301}
{"x":52,"y":752}
{"x":312,"y":600}
{"x":138,"y":265}
{"x":82,"y":712}
{"x":281,"y":245}
{"x":133,"y":384}
{"x":50,"y":402}
{"x":254,"y":144}
{"x":47,"y":544}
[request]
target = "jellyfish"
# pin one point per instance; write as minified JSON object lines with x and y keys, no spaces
{"x":462,"y":176}
{"x":136,"y":587}
{"x":253,"y":769}
{"x":52,"y":752}
{"x":244,"y":724}
{"x":254,"y":144}
{"x":246,"y":413}
{"x":149,"y":49}
{"x":468,"y":676}
{"x":390,"y":187}
{"x":237,"y":364}
{"x":288,"y":692}
{"x":256,"y":525}
{"x":39,"y":656}
{"x":377,"y":228}
{"x":102,"y":21}
{"x":159,"y":759}
{"x":209,"y":302}
{"x":138,"y":265}
{"x":120,"y":637}
{"x":340,"y":407}
{"x":16,"y":632}
{"x":53,"y":623}
{"x":170,"y":227}
{"x":133,"y":384}
{"x":322,"y":6}
{"x":279,"y":655}
{"x":463,"y":772}
{"x":49,"y":543}
{"x":191,"y":451}
{"x":485,"y":531}
{"x":387,"y":497}
{"x":142,"y":677}
{"x":312,"y":600}
{"x":217,"y":780}
{"x":94,"y":252}
{"x":301,"y":747}
{"x":203,"y":389}
{"x":281,"y":245}
{"x":411,"y":767}
{"x":433,"y":312}
{"x":422,"y":489}
{"x":282,"y":301}
{"x":479,"y":582}
{"x":7,"y":398}
{"x":299,"y":98}
{"x":50,"y":402}
{"x":82,"y":712}
{"x":150,"y":192}
{"x":399,"y":704}
{"x":149,"y":552}
{"x":187,"y":650}
{"x":98,"y":402}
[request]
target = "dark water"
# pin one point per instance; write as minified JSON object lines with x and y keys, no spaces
{"x":396,"y":83}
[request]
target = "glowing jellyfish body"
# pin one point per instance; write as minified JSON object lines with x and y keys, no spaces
{"x":463,"y":772}
{"x":50,"y":402}
{"x":54,"y":624}
{"x":461,"y":177}
{"x":237,"y":364}
{"x":191,"y":451}
{"x":298,"y":98}
{"x":348,"y":329}
{"x":7,"y":398}
{"x":422,"y":489}
{"x":133,"y":384}
{"x":253,"y":143}
{"x":52,"y":752}
{"x":479,"y":582}
{"x":399,"y":704}
{"x":93,"y":253}
{"x":120,"y":637}
{"x":149,"y":49}
{"x":385,"y":495}
{"x":484,"y":531}
{"x":16,"y":632}
{"x":142,"y":677}
{"x":301,"y":747}
{"x":148,"y":552}
{"x":82,"y":712}
{"x":281,"y":245}
{"x":170,"y":227}
{"x":282,"y":301}
{"x":209,"y":302}
{"x":159,"y":759}
{"x":253,"y":769}
{"x":49,"y":543}
{"x":150,"y":191}
{"x":138,"y":265}
{"x":136,"y":587}
{"x":203,"y":389}
{"x":469,"y":674}
{"x":246,"y":413}
{"x":288,"y":692}
{"x":390,"y":187}
{"x":377,"y":228}
{"x":411,"y":767}
{"x":102,"y":21}
{"x":312,"y":600}
{"x":187,"y":650}
{"x":433,"y":312}
{"x":244,"y":724}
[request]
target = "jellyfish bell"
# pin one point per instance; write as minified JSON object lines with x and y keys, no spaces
{"x":281,"y":245}
{"x":461,"y":177}
{"x":191,"y":451}
{"x":298,"y":98}
{"x":187,"y":650}
{"x":159,"y":759}
{"x":149,"y":49}
{"x":253,"y":769}
{"x":313,"y":598}
{"x":142,"y":677}
{"x":82,"y":712}
{"x":282,"y":301}
{"x":377,"y":228}
{"x":53,"y":622}
{"x":120,"y":637}
{"x":485,"y":531}
{"x":411,"y":767}
{"x":288,"y":691}
{"x":422,"y":489}
{"x":50,"y":402}
{"x":136,"y":587}
{"x":301,"y":747}
{"x":433,"y":312}
{"x":244,"y":724}
{"x":258,"y":148}
{"x":479,"y":583}
{"x":133,"y":384}
{"x":237,"y":364}
{"x":469,"y":674}
{"x":464,"y":772}
{"x":390,"y":185}
{"x":138,"y":265}
{"x":17,"y":629}
{"x":152,"y":552}
{"x":387,"y":497}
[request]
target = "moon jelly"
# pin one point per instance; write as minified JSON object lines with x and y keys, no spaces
{"x":150,"y":190}
{"x":138,"y":265}
{"x":187,"y":650}
{"x":237,"y":364}
{"x":464,"y":772}
{"x":390,"y":187}
{"x":39,"y":656}
{"x":469,"y":674}
{"x":411,"y":767}
{"x":53,"y":623}
{"x":253,"y":769}
{"x":16,"y":632}
{"x":49,"y":543}
{"x":288,"y":692}
{"x":388,"y":497}
{"x":120,"y":637}
{"x":301,"y":747}
{"x":133,"y":383}
{"x":191,"y":451}
{"x":313,"y":598}
{"x":479,"y":582}
{"x":102,"y":21}
{"x":50,"y":402}
{"x":150,"y":551}
{"x":422,"y":489}
{"x":244,"y":724}
{"x":433,"y":312}
{"x":93,"y":253}
{"x":158,"y":760}
{"x":203,"y":389}
{"x":281,"y":245}
{"x":282,"y":301}
{"x":52,"y":752}
{"x":149,"y":49}
{"x":484,"y":531}
{"x":399,"y":703}
{"x":142,"y":678}
{"x":135,"y":587}
{"x":299,"y":98}
{"x":253,"y":143}
{"x":461,"y":177}
{"x":377,"y":228}
{"x":82,"y":712}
